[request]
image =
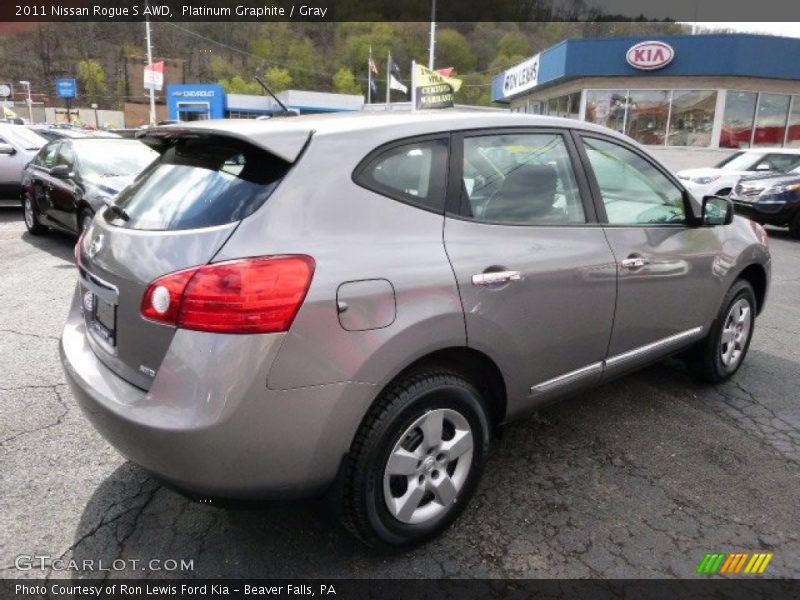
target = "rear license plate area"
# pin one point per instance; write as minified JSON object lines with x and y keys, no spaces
{"x":104,"y":320}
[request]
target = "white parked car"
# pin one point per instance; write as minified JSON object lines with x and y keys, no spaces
{"x":719,"y":180}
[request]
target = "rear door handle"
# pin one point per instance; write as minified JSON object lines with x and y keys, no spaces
{"x":634,"y":262}
{"x":495,"y":277}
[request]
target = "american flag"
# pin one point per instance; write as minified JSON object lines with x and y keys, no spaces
{"x":372,"y":66}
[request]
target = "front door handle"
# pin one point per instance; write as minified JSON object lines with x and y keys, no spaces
{"x":494,"y":277}
{"x":634,"y":262}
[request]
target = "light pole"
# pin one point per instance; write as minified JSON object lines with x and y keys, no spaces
{"x":96,"y":122}
{"x":29,"y":101}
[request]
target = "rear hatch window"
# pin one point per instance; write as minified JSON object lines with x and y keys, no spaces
{"x":198,"y":182}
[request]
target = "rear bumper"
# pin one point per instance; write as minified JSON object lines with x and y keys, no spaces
{"x":210,"y":425}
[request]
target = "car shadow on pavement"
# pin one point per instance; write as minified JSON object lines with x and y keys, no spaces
{"x":650,"y":445}
{"x":60,"y":245}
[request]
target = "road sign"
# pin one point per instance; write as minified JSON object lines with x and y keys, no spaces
{"x":66,"y":88}
{"x":154,"y":76}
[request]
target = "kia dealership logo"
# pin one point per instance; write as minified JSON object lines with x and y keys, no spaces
{"x":649,"y":56}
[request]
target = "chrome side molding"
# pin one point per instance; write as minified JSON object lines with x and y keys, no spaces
{"x":617,"y":360}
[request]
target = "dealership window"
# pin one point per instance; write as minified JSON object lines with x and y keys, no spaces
{"x":737,"y":125}
{"x":607,"y":108}
{"x":568,"y":105}
{"x":793,"y":126}
{"x":771,"y":115}
{"x":648,"y":112}
{"x":692,"y":118}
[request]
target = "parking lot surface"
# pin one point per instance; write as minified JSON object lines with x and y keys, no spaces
{"x":639,"y":478}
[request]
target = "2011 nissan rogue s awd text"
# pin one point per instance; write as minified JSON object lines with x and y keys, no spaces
{"x":351,"y":305}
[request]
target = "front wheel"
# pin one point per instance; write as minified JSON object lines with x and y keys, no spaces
{"x":722,"y":352}
{"x":31,"y":216}
{"x":416,"y":460}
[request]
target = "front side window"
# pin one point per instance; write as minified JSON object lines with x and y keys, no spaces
{"x":634,"y":191}
{"x":520,"y":179}
{"x":66,"y":156}
{"x":47,"y":155}
{"x":415,"y":172}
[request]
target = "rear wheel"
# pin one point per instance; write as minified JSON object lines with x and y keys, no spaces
{"x":32,"y":216}
{"x":722,"y":352}
{"x":416,"y":460}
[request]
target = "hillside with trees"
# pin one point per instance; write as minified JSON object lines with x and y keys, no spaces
{"x":312,"y":56}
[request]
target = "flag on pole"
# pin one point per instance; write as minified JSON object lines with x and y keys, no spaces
{"x":394,"y":77}
{"x":372,"y":66}
{"x":154,"y":76}
{"x":448,"y":72}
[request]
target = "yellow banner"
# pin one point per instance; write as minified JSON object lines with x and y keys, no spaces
{"x":425,"y":77}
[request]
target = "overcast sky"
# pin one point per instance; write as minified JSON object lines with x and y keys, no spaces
{"x":787,"y":29}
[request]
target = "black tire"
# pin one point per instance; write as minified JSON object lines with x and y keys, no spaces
{"x":794,"y":225}
{"x":31,"y":216}
{"x":84,"y":215}
{"x":364,"y":507}
{"x":705,"y":360}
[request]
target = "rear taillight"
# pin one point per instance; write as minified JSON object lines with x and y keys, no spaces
{"x":78,"y":247}
{"x":253,"y":295}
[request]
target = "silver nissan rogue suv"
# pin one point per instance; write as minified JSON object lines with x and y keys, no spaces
{"x":352,"y":304}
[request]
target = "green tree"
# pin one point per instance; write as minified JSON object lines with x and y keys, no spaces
{"x":452,"y":50}
{"x":514,"y":44}
{"x":278,"y":79}
{"x":239,"y":85}
{"x":92,"y":78}
{"x":344,"y":82}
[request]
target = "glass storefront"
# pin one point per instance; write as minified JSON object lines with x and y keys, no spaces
{"x":607,"y":108}
{"x":793,"y":126}
{"x":655,"y":117}
{"x":684,"y":117}
{"x":692,"y":118}
{"x":773,"y":110}
{"x":648,"y":113}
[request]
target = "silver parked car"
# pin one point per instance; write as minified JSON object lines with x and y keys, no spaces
{"x":353,"y":304}
{"x":18,"y":145}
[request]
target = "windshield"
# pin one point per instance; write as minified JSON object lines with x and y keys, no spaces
{"x":25,"y":138}
{"x":740,"y":161}
{"x":113,"y":158}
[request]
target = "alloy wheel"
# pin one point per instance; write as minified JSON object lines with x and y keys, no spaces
{"x":428,"y":466}
{"x":28,"y":210}
{"x":735,"y":333}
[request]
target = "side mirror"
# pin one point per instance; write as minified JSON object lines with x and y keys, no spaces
{"x":717,"y":211}
{"x":60,"y":172}
{"x":763,"y":167}
{"x":7,"y":149}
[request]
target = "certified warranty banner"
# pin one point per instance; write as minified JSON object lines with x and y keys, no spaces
{"x":432,"y":89}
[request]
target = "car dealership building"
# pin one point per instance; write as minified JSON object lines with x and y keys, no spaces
{"x":198,"y":101}
{"x":704,"y":92}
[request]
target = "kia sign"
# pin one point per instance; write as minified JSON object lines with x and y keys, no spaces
{"x":649,"y":56}
{"x":521,"y":77}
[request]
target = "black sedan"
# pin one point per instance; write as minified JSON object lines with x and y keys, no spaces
{"x":71,"y":179}
{"x":770,"y":199}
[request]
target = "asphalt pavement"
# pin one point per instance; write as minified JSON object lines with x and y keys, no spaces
{"x":639,"y":478}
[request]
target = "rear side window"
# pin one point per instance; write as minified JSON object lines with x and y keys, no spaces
{"x":415,"y":173}
{"x":198,"y":182}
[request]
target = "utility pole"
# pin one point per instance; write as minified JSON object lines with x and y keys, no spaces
{"x":150,"y":63}
{"x":432,"y":45}
{"x":29,"y":100}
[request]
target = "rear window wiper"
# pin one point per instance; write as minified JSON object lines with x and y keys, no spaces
{"x":119,"y":211}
